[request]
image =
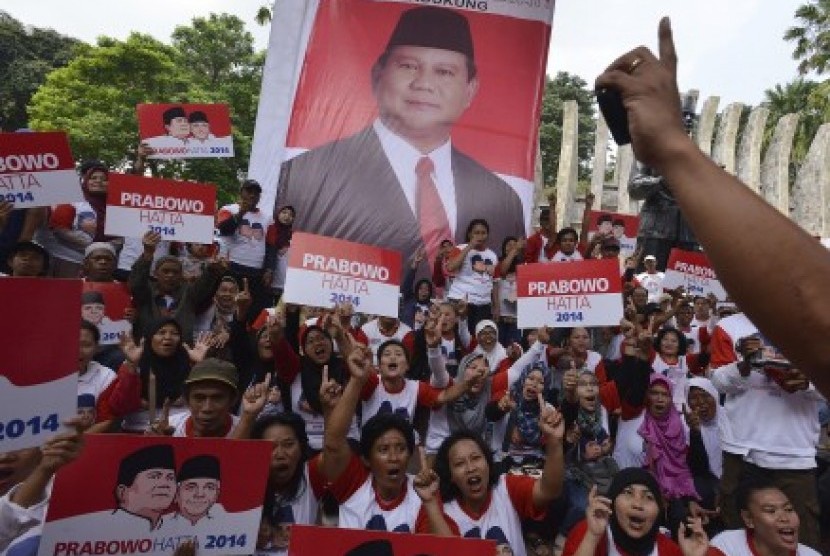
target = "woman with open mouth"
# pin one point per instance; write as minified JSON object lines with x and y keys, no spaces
{"x":771,"y":524}
{"x":289,"y":498}
{"x":668,"y":452}
{"x":626,"y":522}
{"x":392,"y":392}
{"x":480,"y":503}
{"x":153,"y":371}
{"x":670,"y":359}
{"x":373,"y":489}
{"x":302,"y":375}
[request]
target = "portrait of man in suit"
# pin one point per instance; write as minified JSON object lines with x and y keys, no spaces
{"x":400,"y":183}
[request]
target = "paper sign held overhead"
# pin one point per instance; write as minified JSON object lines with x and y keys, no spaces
{"x":37,"y":169}
{"x":584,"y":293}
{"x":323,"y":272}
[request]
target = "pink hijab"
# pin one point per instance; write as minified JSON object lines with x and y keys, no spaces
{"x":666,"y":448}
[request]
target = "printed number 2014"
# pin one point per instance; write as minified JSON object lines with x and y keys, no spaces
{"x":16,"y":427}
{"x":343,"y":298}
{"x":163,"y":230}
{"x":569,"y":317}
{"x":222,"y":541}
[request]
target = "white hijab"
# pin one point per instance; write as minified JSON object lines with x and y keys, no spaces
{"x":711,"y":431}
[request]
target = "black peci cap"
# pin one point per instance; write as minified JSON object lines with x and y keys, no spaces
{"x":433,"y":27}
{"x":200,"y":467}
{"x":159,"y":456}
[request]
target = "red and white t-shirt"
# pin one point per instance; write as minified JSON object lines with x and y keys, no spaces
{"x":95,"y":380}
{"x":361,"y":507}
{"x":738,"y":542}
{"x":377,"y":399}
{"x":74,"y":217}
{"x":511,"y":500}
{"x":561,"y":257}
{"x":246,"y":246}
{"x":376,"y":337}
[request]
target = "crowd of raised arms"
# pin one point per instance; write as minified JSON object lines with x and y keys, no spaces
{"x":666,"y":434}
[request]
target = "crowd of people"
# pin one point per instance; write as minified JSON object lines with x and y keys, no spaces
{"x":677,"y":431}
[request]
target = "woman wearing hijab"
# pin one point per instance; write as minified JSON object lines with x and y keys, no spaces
{"x":302,"y":374}
{"x":75,"y":226}
{"x":667,"y":449}
{"x":160,"y":358}
{"x":705,"y":423}
{"x":627,"y":523}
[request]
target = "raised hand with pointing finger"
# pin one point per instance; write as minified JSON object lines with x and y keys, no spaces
{"x":243,"y":300}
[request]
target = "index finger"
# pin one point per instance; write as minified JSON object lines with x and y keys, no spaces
{"x":541,"y":401}
{"x":422,"y":453}
{"x":244,"y":284}
{"x":325,"y":374}
{"x":267,"y":379}
{"x":165,"y":409}
{"x":668,"y":54}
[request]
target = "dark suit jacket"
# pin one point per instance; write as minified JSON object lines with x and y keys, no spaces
{"x":347,"y":189}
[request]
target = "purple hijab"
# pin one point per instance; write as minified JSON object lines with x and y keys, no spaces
{"x":666,"y":448}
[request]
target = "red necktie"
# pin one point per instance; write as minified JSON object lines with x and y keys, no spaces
{"x":431,"y":215}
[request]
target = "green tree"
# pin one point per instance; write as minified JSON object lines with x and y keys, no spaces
{"x":558,"y":90}
{"x":812,"y":103}
{"x":811,"y":37}
{"x":94,"y":97}
{"x":27,"y":54}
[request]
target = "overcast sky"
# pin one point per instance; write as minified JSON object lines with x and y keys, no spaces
{"x":730,"y":48}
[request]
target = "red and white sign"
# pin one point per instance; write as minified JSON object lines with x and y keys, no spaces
{"x":324,"y":271}
{"x":332,"y":541}
{"x":104,"y":305}
{"x":623,"y":226}
{"x":38,"y":359}
{"x":693,"y":271}
{"x":186,"y":130}
{"x":584,"y":293}
{"x":37,"y":170}
{"x":130,"y":494}
{"x":179,"y":211}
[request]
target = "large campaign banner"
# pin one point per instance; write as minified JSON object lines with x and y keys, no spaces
{"x":186,"y":130}
{"x":692,"y":271}
{"x":37,"y":170}
{"x":623,"y":227}
{"x":424,"y":117}
{"x":38,"y":359}
{"x":130,"y":494}
{"x":323,"y":272}
{"x":584,"y":293}
{"x":178,"y":210}
{"x":332,"y":541}
{"x":105,"y":305}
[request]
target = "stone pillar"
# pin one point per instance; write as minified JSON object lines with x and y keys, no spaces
{"x":724,"y":151}
{"x":566,"y":177}
{"x":600,"y":159}
{"x":811,"y":192}
{"x":749,"y":151}
{"x":775,"y":170}
{"x":622,"y":174}
{"x":706,"y":124}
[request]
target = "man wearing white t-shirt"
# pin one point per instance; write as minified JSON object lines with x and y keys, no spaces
{"x":250,"y":237}
{"x":651,"y":279}
{"x":383,"y":329}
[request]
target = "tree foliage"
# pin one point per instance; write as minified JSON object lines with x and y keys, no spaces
{"x":94,"y":97}
{"x":810,"y":100}
{"x":811,"y":37}
{"x":562,"y":88}
{"x":27,"y":54}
